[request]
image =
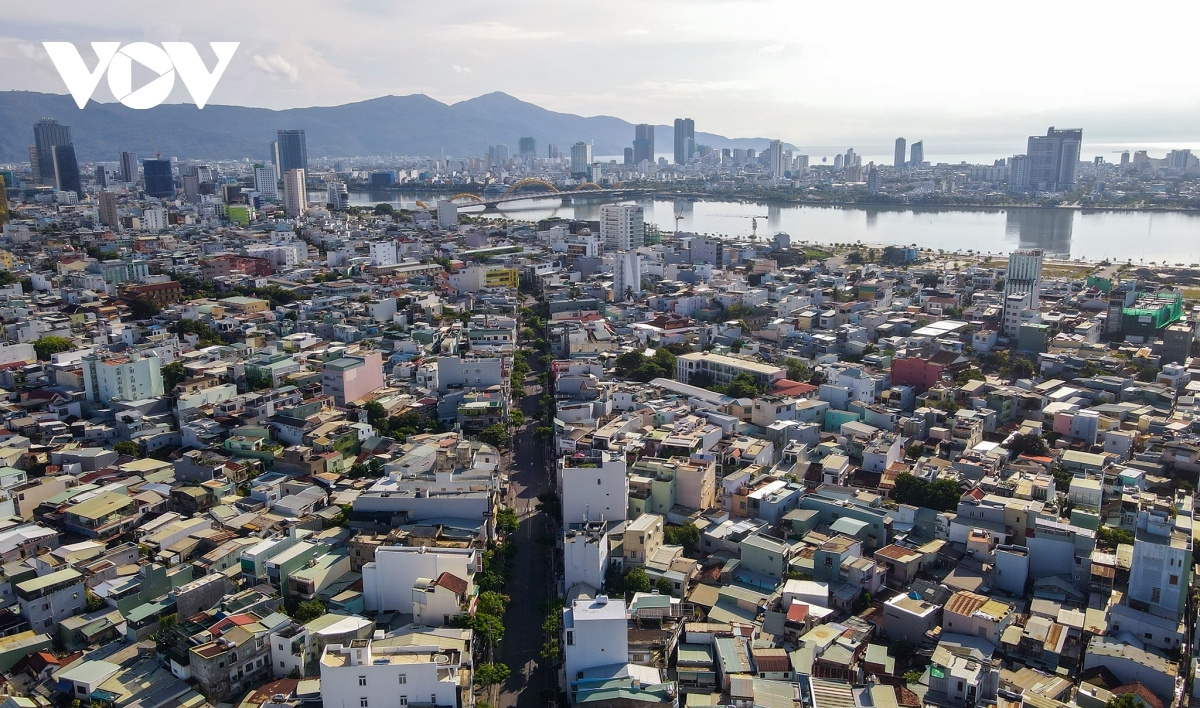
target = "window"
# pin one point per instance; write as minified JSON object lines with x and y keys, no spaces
{"x":282,"y":665}
{"x":403,"y":700}
{"x":1174,"y":580}
{"x":597,"y":481}
{"x":404,"y":679}
{"x":570,"y":638}
{"x":433,"y":698}
{"x":362,"y":703}
{"x":1156,"y":595}
{"x":362,"y":680}
{"x":1149,"y":635}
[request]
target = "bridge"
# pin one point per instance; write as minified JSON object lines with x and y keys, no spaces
{"x":537,"y":189}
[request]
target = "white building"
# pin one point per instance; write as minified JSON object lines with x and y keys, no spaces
{"x":337,"y":196}
{"x":266,"y":181}
{"x":154,"y":219}
{"x":595,"y":635}
{"x":52,"y":598}
{"x":581,"y":158}
{"x":470,"y":373}
{"x":295,"y":193}
{"x":364,"y":676}
{"x":383,"y":253}
{"x":622,"y":227}
{"x":627,"y":275}
{"x":1161,"y":572}
{"x":447,"y":214}
{"x":594,"y":488}
{"x":124,"y":378}
{"x":389,"y":580}
{"x":585,"y":554}
{"x":1024,"y":274}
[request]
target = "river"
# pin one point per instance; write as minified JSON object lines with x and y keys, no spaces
{"x":1150,"y":236}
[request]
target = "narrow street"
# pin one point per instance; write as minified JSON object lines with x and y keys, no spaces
{"x":531,"y":578}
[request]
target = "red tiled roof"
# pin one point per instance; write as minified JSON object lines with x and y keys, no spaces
{"x":798,"y":612}
{"x":452,"y":582}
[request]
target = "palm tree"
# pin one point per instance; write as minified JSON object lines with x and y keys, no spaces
{"x":629,"y":292}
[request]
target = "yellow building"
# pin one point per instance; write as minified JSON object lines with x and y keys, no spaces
{"x":246,"y":305}
{"x":6,"y":258}
{"x":502,"y":278}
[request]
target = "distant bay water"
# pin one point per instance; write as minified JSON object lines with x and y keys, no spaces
{"x":1158,"y":236}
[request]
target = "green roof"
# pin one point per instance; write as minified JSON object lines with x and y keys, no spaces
{"x":61,"y":576}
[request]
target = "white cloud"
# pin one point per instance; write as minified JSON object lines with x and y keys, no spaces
{"x":460,"y":69}
{"x":276,"y":67}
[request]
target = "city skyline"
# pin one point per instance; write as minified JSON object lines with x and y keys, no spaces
{"x":716,"y":66}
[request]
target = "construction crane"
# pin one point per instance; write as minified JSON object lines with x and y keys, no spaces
{"x":678,"y":218}
{"x":753,"y":221}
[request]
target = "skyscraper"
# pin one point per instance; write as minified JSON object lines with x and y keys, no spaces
{"x":159,"y":177}
{"x":918,"y":153}
{"x":1024,"y":274}
{"x":552,"y":151}
{"x":108,"y":209}
{"x":35,"y":163}
{"x":129,"y":167}
{"x":266,"y":181}
{"x":295,"y":193}
{"x":1018,"y":173}
{"x":775,"y":159}
{"x":66,"y":169}
{"x":1053,"y":159}
{"x":643,"y":143}
{"x":627,"y":157}
{"x":900,"y":151}
{"x":872,"y":178}
{"x":46,"y":134}
{"x":102,"y":175}
{"x":581,"y":159}
{"x":627,"y":275}
{"x":622,"y":227}
{"x":685,"y":139}
{"x":528,"y":148}
{"x":293,"y":151}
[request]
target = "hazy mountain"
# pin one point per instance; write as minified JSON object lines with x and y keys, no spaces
{"x":399,"y":125}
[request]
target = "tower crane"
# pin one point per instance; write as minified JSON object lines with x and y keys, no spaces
{"x":753,"y":221}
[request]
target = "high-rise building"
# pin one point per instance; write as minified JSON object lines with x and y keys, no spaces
{"x":274,"y":156}
{"x":102,"y":175}
{"x":898,"y":161}
{"x":685,"y":140}
{"x":528,"y":148}
{"x":852,"y":159}
{"x":627,"y":275}
{"x":1018,"y":173}
{"x":46,"y":134}
{"x":498,"y":153}
{"x":581,"y":159}
{"x":159,"y":177}
{"x":131,"y":378}
{"x":293,"y":151}
{"x":1179,"y":159}
{"x":266,"y":181}
{"x":1125,"y":159}
{"x":35,"y":163}
{"x":1053,"y":159}
{"x":3,"y":201}
{"x":917,"y":151}
{"x":622,"y":227}
{"x":775,"y":159}
{"x":1024,"y":274}
{"x":129,"y":167}
{"x":872,"y":178}
{"x":108,"y":209}
{"x":643,"y":143}
{"x":66,"y":169}
{"x":295,"y":193}
{"x":552,"y":151}
{"x":337,"y":195}
{"x":627,"y":157}
{"x":837,"y":161}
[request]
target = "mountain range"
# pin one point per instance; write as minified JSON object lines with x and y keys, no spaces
{"x":389,"y":125}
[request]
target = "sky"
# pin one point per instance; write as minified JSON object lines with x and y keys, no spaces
{"x":967,"y":78}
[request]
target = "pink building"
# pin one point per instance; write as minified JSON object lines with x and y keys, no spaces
{"x":352,"y":377}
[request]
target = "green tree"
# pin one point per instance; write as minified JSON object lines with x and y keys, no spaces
{"x":686,"y":535}
{"x":384,"y":209}
{"x":94,"y":602}
{"x":309,"y":610}
{"x":743,"y":386}
{"x":491,"y":674}
{"x":516,"y":418}
{"x":940,"y":495}
{"x":636,"y":581}
{"x":143,"y":308}
{"x":796,"y":370}
{"x":915,"y":449}
{"x":376,"y":414}
{"x":663,"y":586}
{"x":1020,"y":368}
{"x":971,"y":374}
{"x":492,"y":603}
{"x":1028,"y":444}
{"x":49,"y":345}
{"x":1127,"y":700}
{"x":494,"y":435}
{"x":173,"y":374}
{"x":127,"y":447}
{"x":1109,"y":537}
{"x":506,"y":520}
